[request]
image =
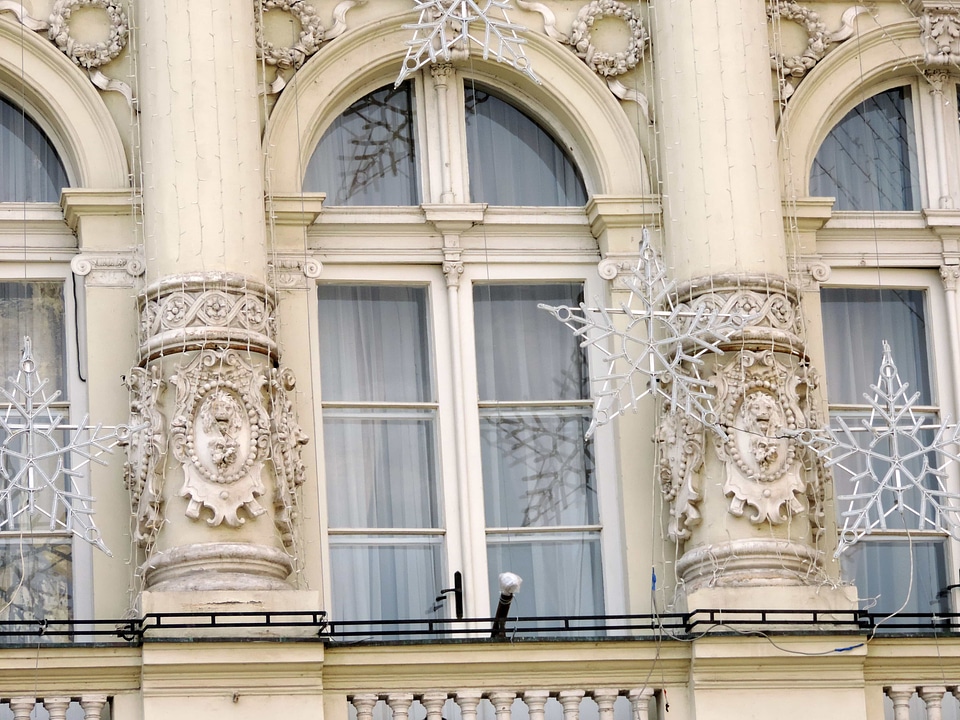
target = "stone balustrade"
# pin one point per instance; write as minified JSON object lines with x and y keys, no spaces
{"x":639,"y":703}
{"x":923,"y":702}
{"x":83,"y":707}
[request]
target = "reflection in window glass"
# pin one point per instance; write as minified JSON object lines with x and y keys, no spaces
{"x":368,"y":155}
{"x":514,"y":161}
{"x":537,"y":469}
{"x":33,"y":309}
{"x":869,"y":159}
{"x":30,"y":169}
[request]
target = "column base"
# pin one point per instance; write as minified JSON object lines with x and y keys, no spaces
{"x":749,"y":563}
{"x":217,"y":566}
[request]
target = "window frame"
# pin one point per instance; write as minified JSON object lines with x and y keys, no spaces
{"x":76,"y":406}
{"x":467,"y":534}
{"x":941,"y":377}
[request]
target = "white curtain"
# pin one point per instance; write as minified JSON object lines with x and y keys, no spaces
{"x":30,"y":169}
{"x":514,"y":161}
{"x":368,"y":156}
{"x":537,"y":469}
{"x":381,"y":461}
{"x":869,"y":159}
{"x":856,"y":321}
{"x":883,"y":569}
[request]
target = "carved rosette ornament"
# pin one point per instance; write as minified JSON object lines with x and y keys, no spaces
{"x":762,"y":401}
{"x":680,"y":441}
{"x":143,"y":471}
{"x":221,"y":435}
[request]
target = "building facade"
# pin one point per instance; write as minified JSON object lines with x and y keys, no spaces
{"x":287,"y":392}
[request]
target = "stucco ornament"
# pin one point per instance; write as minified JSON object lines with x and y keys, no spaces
{"x":221,"y":435}
{"x":286,"y":440}
{"x":792,"y":68}
{"x":940,"y":33}
{"x":308,"y":42}
{"x":143,"y":470}
{"x":605,"y":63}
{"x":680,"y":442}
{"x":762,"y":401}
{"x":89,"y":55}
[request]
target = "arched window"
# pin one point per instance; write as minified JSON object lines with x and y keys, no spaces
{"x":30,"y":169}
{"x":512,"y":159}
{"x":369,"y":155}
{"x":869,"y":159}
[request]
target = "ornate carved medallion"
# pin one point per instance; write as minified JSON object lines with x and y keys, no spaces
{"x":761,"y":414}
{"x":221,"y":434}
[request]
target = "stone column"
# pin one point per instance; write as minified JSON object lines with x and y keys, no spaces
{"x":744,"y":506}
{"x":214,"y":477}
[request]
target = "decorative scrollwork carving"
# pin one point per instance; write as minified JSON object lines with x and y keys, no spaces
{"x":309,"y":40}
{"x":221,"y":435}
{"x":680,"y":441}
{"x":940,"y":34}
{"x":604,"y":63}
{"x":89,"y":55}
{"x":143,"y":470}
{"x":286,"y":440}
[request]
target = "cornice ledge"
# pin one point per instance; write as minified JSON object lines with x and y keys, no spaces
{"x":295,"y":209}
{"x":810,"y":213}
{"x":454,"y":217}
{"x":77,"y":203}
{"x":622,"y":211}
{"x":919,"y":6}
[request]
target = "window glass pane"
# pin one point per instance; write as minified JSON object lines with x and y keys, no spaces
{"x":373,"y":344}
{"x":381,"y":469}
{"x":901,"y":505}
{"x":368,"y":155}
{"x":35,"y":579}
{"x":23,"y":482}
{"x":869,"y":159}
{"x":856,"y":321}
{"x":514,"y":161}
{"x":882,"y":572}
{"x":537,"y":469}
{"x":31,"y":169}
{"x":523,"y":353}
{"x":33,"y":309}
{"x":385,"y":577}
{"x":561,"y":573}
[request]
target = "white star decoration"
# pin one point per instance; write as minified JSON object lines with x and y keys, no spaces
{"x":444,"y":33}
{"x":41,"y":457}
{"x":657,"y":348}
{"x":898,"y":479}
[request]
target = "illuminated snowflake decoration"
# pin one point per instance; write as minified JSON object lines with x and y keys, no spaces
{"x":41,"y":458}
{"x":895,"y":461}
{"x":447,"y":28}
{"x":652,"y":345}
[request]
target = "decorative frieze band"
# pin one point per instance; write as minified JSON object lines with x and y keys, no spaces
{"x":771,"y":305}
{"x":205,"y":310}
